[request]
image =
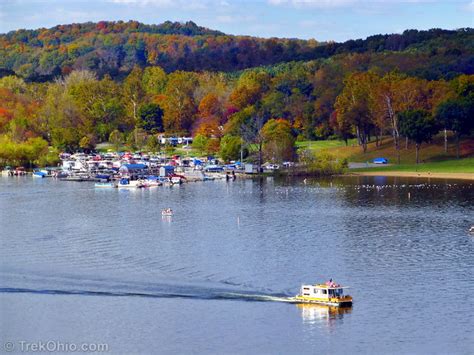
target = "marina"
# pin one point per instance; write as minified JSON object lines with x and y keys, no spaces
{"x":130,"y":171}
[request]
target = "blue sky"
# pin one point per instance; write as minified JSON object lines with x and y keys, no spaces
{"x":322,"y":20}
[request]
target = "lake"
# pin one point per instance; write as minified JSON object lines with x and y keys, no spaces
{"x":84,"y":265}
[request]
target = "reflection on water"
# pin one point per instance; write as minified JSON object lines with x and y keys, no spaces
{"x":322,"y":314}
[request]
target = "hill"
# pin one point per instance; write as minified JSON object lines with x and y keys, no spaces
{"x":114,"y":48}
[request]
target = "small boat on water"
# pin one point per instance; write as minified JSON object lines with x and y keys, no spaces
{"x":471,"y":230}
{"x":39,"y":174}
{"x":79,"y":177}
{"x":167,"y":212}
{"x":328,"y":293}
{"x":106,"y":185}
{"x":19,"y":171}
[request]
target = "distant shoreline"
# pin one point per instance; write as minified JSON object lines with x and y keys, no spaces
{"x":428,"y":175}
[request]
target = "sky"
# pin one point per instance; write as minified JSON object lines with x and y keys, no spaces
{"x":323,"y":20}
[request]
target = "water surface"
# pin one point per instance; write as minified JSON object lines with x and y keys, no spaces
{"x":80,"y":264}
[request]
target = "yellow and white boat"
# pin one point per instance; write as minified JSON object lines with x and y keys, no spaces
{"x":329,"y":293}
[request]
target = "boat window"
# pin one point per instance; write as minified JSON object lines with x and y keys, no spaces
{"x":324,"y":292}
{"x":305,"y":294}
{"x":315,"y":290}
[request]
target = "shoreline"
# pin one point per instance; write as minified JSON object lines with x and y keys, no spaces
{"x":425,"y":175}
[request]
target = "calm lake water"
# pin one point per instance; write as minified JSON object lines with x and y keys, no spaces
{"x":84,"y":265}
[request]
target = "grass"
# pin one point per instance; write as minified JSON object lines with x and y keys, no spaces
{"x":432,"y":156}
{"x":465,"y":165}
{"x":318,"y":146}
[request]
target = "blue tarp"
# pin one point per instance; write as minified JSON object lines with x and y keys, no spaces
{"x":214,"y":168}
{"x":103,"y":176}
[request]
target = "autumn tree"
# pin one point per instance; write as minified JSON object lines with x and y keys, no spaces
{"x":278,"y":140}
{"x":178,"y":103}
{"x":457,"y":115}
{"x":153,"y":144}
{"x":200,"y":143}
{"x":154,"y":80}
{"x":99,"y":104}
{"x":419,"y":126}
{"x":14,"y":84}
{"x":342,"y":128}
{"x":133,"y":92}
{"x":231,"y":147}
{"x":249,"y":89}
{"x":150,"y":118}
{"x":355,"y":105}
{"x":63,"y":118}
{"x":209,"y":115}
{"x":116,"y":138}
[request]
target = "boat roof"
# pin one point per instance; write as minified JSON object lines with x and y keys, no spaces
{"x":326,"y":286}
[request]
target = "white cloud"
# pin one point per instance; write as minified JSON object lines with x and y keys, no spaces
{"x":312,"y":3}
{"x":340,"y":3}
{"x":181,"y":4}
{"x":235,"y":18}
{"x":470,"y":6}
{"x":144,"y":2}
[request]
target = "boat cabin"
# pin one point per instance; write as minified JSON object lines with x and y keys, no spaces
{"x":322,"y":291}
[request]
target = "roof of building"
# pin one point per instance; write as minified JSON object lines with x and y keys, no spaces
{"x":134,"y":166}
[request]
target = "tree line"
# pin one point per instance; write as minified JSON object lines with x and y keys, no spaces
{"x":114,"y":48}
{"x":265,"y":110}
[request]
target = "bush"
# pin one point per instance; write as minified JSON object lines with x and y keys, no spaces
{"x":324,"y":164}
{"x":24,"y":153}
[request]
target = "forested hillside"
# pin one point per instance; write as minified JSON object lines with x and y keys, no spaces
{"x":74,"y":86}
{"x":114,"y":48}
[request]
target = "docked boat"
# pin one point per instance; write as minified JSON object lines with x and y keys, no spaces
{"x":329,"y":293}
{"x":126,"y":183}
{"x":7,"y":171}
{"x":19,"y":171}
{"x":39,"y":174}
{"x":79,"y":177}
{"x":102,"y":185}
{"x":153,"y":181}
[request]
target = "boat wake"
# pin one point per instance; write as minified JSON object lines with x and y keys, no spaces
{"x":213,"y":296}
{"x":64,"y":285}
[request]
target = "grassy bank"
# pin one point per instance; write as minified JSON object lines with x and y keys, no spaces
{"x":432,"y":155}
{"x":465,"y":165}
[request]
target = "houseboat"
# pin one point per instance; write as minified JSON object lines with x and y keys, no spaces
{"x":329,"y":293}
